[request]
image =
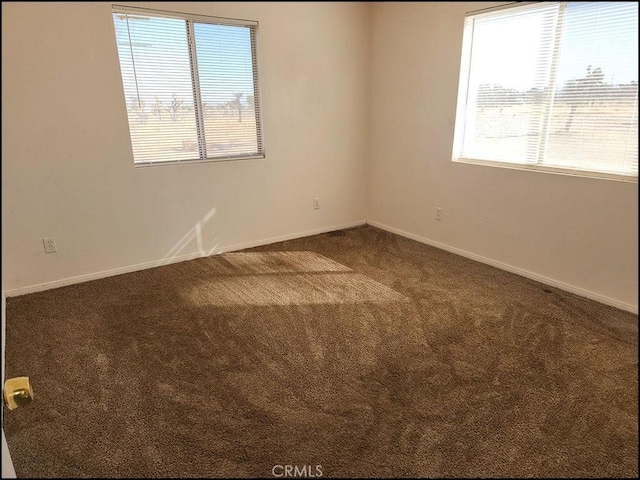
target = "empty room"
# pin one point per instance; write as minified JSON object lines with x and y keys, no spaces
{"x":319,"y":239}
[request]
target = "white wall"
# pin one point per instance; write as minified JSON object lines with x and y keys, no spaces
{"x":581,"y":234}
{"x":67,"y":167}
{"x":351,"y":128}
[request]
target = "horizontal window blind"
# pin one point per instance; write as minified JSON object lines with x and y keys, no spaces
{"x":191,"y":86}
{"x":553,"y":86}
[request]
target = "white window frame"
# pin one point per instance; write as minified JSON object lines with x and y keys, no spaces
{"x":190,"y":19}
{"x":462,"y":101}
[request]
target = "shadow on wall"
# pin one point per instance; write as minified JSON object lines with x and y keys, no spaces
{"x":194,"y":233}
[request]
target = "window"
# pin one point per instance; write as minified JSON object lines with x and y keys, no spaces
{"x":190,"y":85}
{"x":551,"y":86}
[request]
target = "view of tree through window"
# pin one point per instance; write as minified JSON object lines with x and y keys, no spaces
{"x":551,"y":85}
{"x":191,"y":87}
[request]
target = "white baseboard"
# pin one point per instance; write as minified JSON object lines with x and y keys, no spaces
{"x":266,"y":241}
{"x":510,"y":268}
{"x":180,"y":258}
{"x":292,"y":236}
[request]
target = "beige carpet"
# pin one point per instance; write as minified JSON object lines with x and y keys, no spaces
{"x":352,"y":354}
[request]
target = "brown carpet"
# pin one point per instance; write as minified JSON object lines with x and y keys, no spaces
{"x":351,"y":354}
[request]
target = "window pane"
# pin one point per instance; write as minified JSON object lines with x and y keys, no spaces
{"x":594,"y":115}
{"x":553,"y":85}
{"x":509,"y":74}
{"x":226,"y":73}
{"x":156,"y":75}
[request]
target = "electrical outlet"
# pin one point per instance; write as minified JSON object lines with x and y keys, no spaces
{"x":49,"y":245}
{"x":316,"y":203}
{"x":438,"y":213}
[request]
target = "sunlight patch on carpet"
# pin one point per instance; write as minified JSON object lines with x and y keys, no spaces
{"x":291,"y":289}
{"x":284,"y":278}
{"x":235,"y":263}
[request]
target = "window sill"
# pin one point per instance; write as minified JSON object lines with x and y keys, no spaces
{"x":197,"y":160}
{"x":553,"y":170}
